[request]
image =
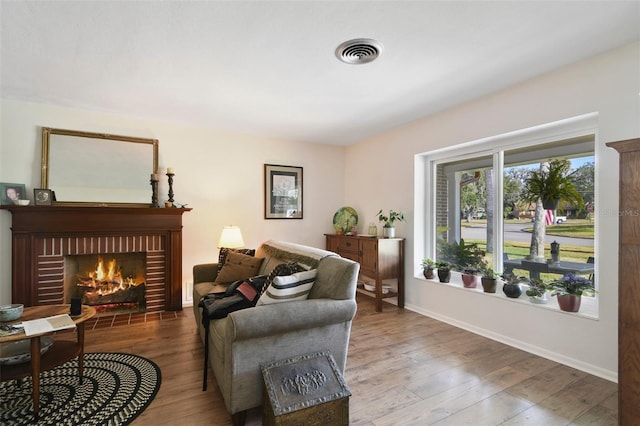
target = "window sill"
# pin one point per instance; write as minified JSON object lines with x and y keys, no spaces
{"x":588,"y":305}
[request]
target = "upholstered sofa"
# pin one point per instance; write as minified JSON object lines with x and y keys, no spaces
{"x":247,"y":338}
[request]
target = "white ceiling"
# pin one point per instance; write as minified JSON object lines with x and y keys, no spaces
{"x":269,"y":67}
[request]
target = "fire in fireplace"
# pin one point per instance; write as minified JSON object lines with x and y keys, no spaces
{"x":114,"y":285}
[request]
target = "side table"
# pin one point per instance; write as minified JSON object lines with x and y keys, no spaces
{"x":59,"y":353}
{"x":379,"y":259}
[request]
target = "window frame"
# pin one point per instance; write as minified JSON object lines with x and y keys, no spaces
{"x":495,"y":147}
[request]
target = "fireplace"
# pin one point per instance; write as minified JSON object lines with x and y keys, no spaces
{"x":48,"y":242}
{"x":111,"y":283}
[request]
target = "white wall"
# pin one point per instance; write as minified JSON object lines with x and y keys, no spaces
{"x":219,"y":175}
{"x":609,"y":85}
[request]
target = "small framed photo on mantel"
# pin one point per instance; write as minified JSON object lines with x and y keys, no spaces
{"x":10,"y":193}
{"x":42,"y":197}
{"x":282,"y":192}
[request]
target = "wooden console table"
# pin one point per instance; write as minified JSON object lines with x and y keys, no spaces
{"x":379,"y":259}
{"x":60,"y":352}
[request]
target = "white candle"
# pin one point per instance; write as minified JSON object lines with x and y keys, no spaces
{"x":170,"y":170}
{"x":154,"y":177}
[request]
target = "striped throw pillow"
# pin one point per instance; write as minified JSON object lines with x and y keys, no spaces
{"x":288,"y":288}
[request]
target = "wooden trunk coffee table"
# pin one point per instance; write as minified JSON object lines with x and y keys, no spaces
{"x":60,"y":352}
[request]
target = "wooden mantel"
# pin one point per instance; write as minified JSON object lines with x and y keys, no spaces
{"x":30,"y":224}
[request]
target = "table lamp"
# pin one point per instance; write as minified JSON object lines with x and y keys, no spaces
{"x":231,"y":237}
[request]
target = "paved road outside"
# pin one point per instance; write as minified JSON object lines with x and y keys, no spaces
{"x":514,"y":232}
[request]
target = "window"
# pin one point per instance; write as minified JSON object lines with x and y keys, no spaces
{"x":474,"y":192}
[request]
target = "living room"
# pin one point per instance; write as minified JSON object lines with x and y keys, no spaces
{"x":219,"y":173}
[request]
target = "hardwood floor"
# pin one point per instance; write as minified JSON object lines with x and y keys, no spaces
{"x":403,"y":369}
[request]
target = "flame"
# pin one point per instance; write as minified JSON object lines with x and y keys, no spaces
{"x":110,"y":274}
{"x":107,"y":279}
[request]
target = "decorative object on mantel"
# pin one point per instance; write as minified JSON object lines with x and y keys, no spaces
{"x":344,"y":220}
{"x":12,"y":192}
{"x":154,"y":189}
{"x":170,"y":175}
{"x":43,"y":197}
{"x":388,"y":230}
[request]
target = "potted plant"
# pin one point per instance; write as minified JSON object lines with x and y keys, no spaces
{"x":551,"y":185}
{"x":537,"y":291}
{"x":512,"y":285}
{"x":388,"y":230}
{"x":428,"y":265}
{"x":468,"y":259}
{"x":489,"y":280}
{"x":444,"y":271}
{"x":569,"y":290}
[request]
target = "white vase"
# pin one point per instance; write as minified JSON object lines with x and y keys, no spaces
{"x":389,"y":232}
{"x":540,"y":300}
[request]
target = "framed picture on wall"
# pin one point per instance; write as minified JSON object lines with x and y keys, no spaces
{"x":282,"y":192}
{"x":11,"y":192}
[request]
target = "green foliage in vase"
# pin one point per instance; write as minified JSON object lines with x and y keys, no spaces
{"x":389,"y":219}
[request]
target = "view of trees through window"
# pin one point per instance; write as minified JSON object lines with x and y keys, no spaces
{"x":528,"y":228}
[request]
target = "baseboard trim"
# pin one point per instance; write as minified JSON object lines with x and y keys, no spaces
{"x":519,"y":344}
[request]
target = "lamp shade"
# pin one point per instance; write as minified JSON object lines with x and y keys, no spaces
{"x":231,"y":237}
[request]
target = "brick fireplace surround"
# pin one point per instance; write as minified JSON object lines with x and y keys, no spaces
{"x":43,"y":235}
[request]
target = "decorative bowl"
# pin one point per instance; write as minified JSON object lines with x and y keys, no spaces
{"x":372,"y":287}
{"x":20,"y":351}
{"x":22,"y":202}
{"x":10,"y":312}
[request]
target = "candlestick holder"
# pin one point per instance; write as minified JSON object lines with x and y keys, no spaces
{"x":170,"y":176}
{"x":154,"y":193}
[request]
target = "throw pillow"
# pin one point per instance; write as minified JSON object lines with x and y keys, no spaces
{"x":289,"y":288}
{"x":280,"y":270}
{"x":222,"y":256}
{"x":238,"y":266}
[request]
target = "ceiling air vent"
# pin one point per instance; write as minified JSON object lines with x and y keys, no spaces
{"x":358,"y":51}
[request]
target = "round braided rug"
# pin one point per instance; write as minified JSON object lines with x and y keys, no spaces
{"x":116,"y":388}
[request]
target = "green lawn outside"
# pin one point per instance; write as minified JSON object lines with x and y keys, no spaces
{"x":572,"y":228}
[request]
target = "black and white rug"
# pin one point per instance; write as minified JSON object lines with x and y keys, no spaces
{"x":117,"y":387}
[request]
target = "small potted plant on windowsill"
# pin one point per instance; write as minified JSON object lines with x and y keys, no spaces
{"x":388,"y":230}
{"x":537,"y":291}
{"x":428,"y":265}
{"x":469,"y":260}
{"x":512,"y":286}
{"x":569,"y":289}
{"x":444,"y":271}
{"x":489,"y":280}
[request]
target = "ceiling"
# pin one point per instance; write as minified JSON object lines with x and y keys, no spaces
{"x":269,"y":67}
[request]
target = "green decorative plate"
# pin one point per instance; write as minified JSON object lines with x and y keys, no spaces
{"x":344,"y":219}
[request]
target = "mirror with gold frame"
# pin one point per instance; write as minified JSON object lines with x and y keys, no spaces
{"x":98,"y":168}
